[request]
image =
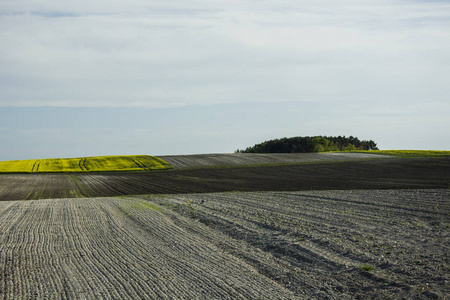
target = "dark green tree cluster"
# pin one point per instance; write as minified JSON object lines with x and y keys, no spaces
{"x":311,"y":144}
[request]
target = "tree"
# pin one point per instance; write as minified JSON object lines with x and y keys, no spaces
{"x":312,"y":144}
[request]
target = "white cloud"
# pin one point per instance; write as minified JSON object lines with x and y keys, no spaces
{"x":160,"y":53}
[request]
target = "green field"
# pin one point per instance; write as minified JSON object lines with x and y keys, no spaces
{"x":85,"y":164}
{"x":408,"y":153}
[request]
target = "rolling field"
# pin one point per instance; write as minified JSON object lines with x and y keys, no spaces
{"x":260,"y":159}
{"x":386,"y":173}
{"x":378,"y":244}
{"x":346,"y":226}
{"x":85,"y":164}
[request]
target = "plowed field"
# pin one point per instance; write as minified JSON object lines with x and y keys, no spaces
{"x":337,"y":229}
{"x":115,"y":249}
{"x":387,"y":173}
{"x":246,"y":159}
{"x":269,"y":245}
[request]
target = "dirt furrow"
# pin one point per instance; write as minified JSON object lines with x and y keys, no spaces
{"x":277,"y":245}
{"x":119,"y":249}
{"x":332,"y":234}
{"x":168,"y":238}
{"x":111,"y":262}
{"x":253,"y":225}
{"x":77,"y":240}
{"x":82,"y":280}
{"x":115,"y":248}
{"x":17,"y":263}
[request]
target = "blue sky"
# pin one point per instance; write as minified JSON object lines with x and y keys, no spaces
{"x":181,"y":77}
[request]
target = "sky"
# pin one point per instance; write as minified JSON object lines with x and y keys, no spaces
{"x":84,"y":78}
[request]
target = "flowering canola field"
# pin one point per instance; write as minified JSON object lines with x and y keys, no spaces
{"x":85,"y":164}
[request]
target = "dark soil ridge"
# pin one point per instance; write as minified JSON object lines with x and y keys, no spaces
{"x":195,"y":161}
{"x":392,"y":173}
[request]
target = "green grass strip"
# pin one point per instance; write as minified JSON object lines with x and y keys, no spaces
{"x":408,"y":153}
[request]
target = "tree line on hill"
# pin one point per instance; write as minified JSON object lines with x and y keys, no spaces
{"x":311,"y":144}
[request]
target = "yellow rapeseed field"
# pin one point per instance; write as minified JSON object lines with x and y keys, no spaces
{"x":85,"y":164}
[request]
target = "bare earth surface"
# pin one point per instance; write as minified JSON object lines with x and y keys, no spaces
{"x":383,"y":173}
{"x":239,"y":159}
{"x":115,"y":248}
{"x":268,"y":245}
{"x":231,"y":227}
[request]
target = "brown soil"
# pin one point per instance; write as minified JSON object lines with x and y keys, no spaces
{"x":242,"y":159}
{"x":392,"y":173}
{"x":364,"y":229}
{"x":108,"y":248}
{"x":378,"y":244}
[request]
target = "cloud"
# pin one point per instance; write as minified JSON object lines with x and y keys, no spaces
{"x":163,"y":54}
